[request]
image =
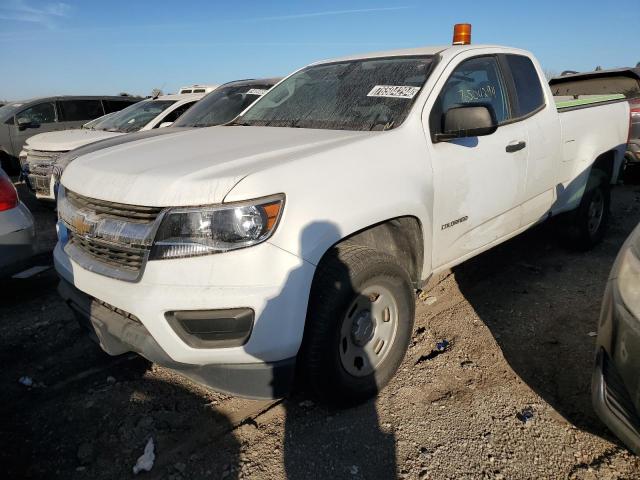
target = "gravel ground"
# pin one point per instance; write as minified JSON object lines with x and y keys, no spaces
{"x":508,"y":397}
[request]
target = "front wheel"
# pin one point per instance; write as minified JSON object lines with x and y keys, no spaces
{"x":359,"y":324}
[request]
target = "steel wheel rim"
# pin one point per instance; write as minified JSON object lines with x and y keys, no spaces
{"x":368,"y":331}
{"x":596,"y":212}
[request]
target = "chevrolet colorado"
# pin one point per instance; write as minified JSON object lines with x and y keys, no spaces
{"x":290,"y":242}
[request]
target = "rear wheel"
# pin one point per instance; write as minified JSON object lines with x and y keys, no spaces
{"x":589,"y":222}
{"x":359,"y":324}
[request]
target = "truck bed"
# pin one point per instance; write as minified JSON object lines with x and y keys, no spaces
{"x":565,"y":102}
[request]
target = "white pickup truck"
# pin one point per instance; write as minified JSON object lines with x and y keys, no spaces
{"x":291,"y":242}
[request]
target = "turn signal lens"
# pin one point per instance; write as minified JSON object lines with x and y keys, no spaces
{"x":462,"y":34}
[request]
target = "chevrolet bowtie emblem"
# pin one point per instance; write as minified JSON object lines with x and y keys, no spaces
{"x":80,"y":225}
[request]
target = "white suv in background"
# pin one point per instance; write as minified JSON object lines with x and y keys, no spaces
{"x":41,"y":151}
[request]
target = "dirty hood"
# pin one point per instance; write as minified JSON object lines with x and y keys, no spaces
{"x":66,"y":140}
{"x":194,"y":167}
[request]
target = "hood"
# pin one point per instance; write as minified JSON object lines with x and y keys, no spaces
{"x":66,"y":140}
{"x":68,"y":157}
{"x":194,"y":167}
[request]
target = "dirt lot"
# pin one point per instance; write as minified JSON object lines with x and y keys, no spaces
{"x":508,"y":397}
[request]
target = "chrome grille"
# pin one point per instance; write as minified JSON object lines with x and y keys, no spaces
{"x":38,"y":166}
{"x":111,"y":239}
{"x":617,"y":396}
{"x":131,"y":213}
{"x":40,"y":183}
{"x":118,"y":256}
{"x":41,"y":156}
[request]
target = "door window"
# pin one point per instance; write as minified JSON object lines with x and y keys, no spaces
{"x":115,"y":105}
{"x":175,"y":114}
{"x":80,"y":110}
{"x":39,"y":114}
{"x":475,"y":82}
{"x":529,"y":95}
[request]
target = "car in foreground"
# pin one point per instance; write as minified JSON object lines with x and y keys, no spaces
{"x":41,"y":151}
{"x":17,"y":233}
{"x":20,"y":121}
{"x":616,"y":377}
{"x":625,"y":81}
{"x":294,"y":238}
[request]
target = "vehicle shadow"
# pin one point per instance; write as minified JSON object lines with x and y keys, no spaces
{"x":327,"y":442}
{"x":542,"y":305}
{"x":85,"y":414}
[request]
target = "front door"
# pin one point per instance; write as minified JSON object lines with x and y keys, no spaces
{"x":35,"y":119}
{"x":478,"y":181}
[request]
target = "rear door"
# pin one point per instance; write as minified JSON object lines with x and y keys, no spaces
{"x":540,"y":117}
{"x":76,"y":112}
{"x":41,"y":117}
{"x":479,"y":181}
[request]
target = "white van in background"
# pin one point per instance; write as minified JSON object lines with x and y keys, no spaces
{"x":41,"y":151}
{"x":198,"y":89}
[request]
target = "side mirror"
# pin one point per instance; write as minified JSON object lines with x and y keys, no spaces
{"x":165,"y":124}
{"x":468,"y":121}
{"x":24,"y":123}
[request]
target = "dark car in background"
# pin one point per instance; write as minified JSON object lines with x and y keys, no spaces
{"x":616,"y":377}
{"x":21,"y":120}
{"x":625,"y":81}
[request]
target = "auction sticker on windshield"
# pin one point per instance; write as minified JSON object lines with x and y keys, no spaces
{"x":257,"y":91}
{"x":393,"y":91}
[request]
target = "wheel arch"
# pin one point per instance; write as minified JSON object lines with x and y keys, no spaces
{"x":401,"y":237}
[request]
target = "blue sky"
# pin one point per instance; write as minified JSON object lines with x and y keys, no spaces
{"x":105,"y":47}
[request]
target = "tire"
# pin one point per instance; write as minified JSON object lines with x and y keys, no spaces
{"x":589,"y":222}
{"x":342,"y":361}
{"x":9,"y":164}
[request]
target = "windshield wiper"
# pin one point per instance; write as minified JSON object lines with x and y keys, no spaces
{"x":238,"y":124}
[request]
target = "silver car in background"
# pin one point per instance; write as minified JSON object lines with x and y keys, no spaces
{"x":17,"y":235}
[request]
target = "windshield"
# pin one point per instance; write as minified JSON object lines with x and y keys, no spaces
{"x":95,"y":123}
{"x":133,"y":118}
{"x":9,"y":110}
{"x":221,"y":106}
{"x":368,"y":94}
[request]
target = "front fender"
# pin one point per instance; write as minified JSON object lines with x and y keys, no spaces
{"x":332,"y":195}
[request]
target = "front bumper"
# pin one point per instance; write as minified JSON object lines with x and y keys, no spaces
{"x":118,"y":333}
{"x":616,"y":377}
{"x":266,"y":279}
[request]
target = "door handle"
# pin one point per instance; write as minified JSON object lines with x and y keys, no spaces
{"x":515,"y":146}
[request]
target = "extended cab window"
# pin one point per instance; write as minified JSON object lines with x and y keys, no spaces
{"x":365,"y":94}
{"x":529,"y":96}
{"x":39,"y":114}
{"x":476,"y":81}
{"x":80,"y":110}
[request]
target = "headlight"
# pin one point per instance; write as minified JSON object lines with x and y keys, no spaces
{"x":22,"y":158}
{"x":628,"y":273}
{"x":187,"y":232}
